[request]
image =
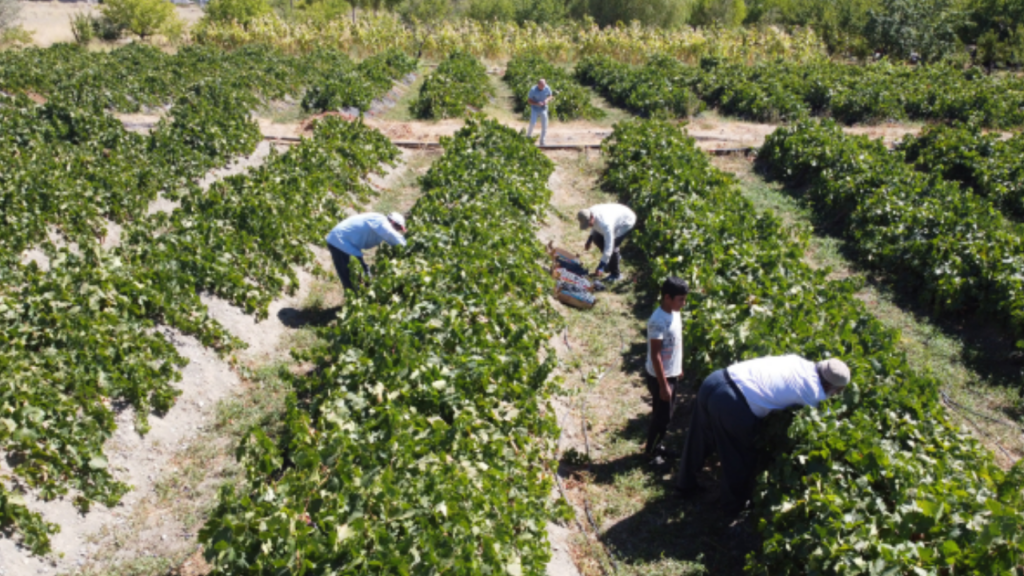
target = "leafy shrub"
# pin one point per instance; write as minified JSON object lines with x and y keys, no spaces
{"x":241,"y":11}
{"x":661,"y":88}
{"x":209,"y":124}
{"x":356,"y":87}
{"x":784,"y":91}
{"x":83,"y":26}
{"x":459,"y":82}
{"x":144,"y":18}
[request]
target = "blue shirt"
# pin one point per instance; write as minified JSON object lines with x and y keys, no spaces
{"x":539,"y":96}
{"x":362,"y":232}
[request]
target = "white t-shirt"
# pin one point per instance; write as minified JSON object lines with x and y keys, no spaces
{"x":669,"y":329}
{"x":777,"y":382}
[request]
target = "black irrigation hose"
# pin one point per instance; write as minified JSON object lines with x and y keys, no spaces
{"x":949,"y":401}
{"x":583,"y":421}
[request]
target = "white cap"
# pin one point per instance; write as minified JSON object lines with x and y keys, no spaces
{"x":397,"y":219}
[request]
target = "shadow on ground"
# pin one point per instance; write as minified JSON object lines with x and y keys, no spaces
{"x":296,"y":318}
{"x":668,"y":527}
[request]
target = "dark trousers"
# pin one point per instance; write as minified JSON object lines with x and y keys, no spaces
{"x":341,"y":262}
{"x":721,"y":421}
{"x":661,"y":414}
{"x":613,"y":262}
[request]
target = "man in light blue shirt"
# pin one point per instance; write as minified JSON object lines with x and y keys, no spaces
{"x":362,"y":232}
{"x":538,"y":99}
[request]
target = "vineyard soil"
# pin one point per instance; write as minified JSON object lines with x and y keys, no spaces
{"x":642,"y":530}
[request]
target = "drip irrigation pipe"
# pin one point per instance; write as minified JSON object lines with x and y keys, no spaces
{"x":949,"y":402}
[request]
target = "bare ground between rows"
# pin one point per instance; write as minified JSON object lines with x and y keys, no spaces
{"x":712,"y":132}
{"x":642,"y":528}
{"x":175,"y":470}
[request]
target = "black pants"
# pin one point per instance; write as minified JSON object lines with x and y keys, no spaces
{"x":721,"y":421}
{"x":613,"y":263}
{"x":341,"y":262}
{"x":661,"y":414}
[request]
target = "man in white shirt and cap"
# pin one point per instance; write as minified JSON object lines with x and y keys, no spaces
{"x":610,"y":223}
{"x":362,"y":232}
{"x":731,"y":404}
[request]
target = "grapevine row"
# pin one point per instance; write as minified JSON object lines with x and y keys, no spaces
{"x":459,"y":82}
{"x":79,"y":335}
{"x":573,"y":101}
{"x":784,"y":91}
{"x":878,"y":479}
{"x":499,"y":40}
{"x":418,"y":443}
{"x":984,"y":163}
{"x":356,"y":87}
{"x":137,"y":75}
{"x":947,"y":245}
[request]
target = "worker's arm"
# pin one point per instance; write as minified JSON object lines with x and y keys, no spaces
{"x":608,"y":232}
{"x":590,"y":240}
{"x":385,"y":231}
{"x":659,"y":370}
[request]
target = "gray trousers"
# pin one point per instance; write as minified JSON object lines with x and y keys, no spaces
{"x":722,"y":422}
{"x":543,"y":116}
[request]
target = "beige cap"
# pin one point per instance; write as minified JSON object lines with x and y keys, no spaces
{"x":584,"y":217}
{"x":835,"y":372}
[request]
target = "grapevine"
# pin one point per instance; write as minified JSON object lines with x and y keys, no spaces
{"x":876,"y":481}
{"x":419,"y":440}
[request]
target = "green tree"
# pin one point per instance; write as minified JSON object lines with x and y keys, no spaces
{"x":840,"y":24}
{"x":241,"y":11}
{"x":718,"y":12}
{"x":425,"y":10}
{"x":144,"y":18}
{"x":664,"y":13}
{"x":540,"y":11}
{"x":926,"y":27}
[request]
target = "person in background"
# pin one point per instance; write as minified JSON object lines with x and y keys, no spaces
{"x":730,"y":405}
{"x":610,"y":223}
{"x":362,"y":232}
{"x":664,"y":363}
{"x":538,"y":99}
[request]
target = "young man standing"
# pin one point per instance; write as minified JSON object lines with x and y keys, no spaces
{"x":538,"y":99}
{"x":664,"y":362}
